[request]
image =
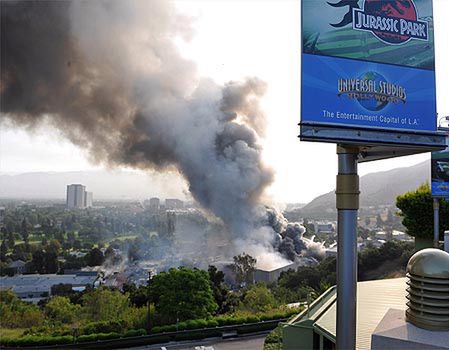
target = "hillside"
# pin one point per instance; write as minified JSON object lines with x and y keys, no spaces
{"x":376,"y":189}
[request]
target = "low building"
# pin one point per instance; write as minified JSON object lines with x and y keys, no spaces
{"x":35,"y":287}
{"x":272,"y":275}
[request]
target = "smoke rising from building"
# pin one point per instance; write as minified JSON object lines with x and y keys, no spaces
{"x":109,"y":76}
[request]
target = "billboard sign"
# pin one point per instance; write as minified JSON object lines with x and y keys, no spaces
{"x":369,"y":64}
{"x":440,"y":173}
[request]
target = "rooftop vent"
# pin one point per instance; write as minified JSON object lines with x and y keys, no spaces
{"x":428,"y":290}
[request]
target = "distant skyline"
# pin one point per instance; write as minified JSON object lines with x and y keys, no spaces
{"x":233,"y":40}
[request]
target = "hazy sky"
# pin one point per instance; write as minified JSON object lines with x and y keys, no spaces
{"x":236,"y":39}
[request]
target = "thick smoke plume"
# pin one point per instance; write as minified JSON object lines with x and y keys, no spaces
{"x":108,"y":75}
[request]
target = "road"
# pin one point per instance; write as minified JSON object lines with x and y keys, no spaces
{"x":237,"y":344}
{"x":247,"y":343}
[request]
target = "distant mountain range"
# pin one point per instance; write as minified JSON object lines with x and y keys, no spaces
{"x":103,"y":184}
{"x":376,"y":189}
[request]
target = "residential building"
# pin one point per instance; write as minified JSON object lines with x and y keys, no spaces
{"x":88,"y":199}
{"x":76,"y":196}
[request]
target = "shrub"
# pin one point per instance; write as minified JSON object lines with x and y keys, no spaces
{"x":201,"y":323}
{"x":107,"y":336}
{"x":221,"y":320}
{"x":157,"y":329}
{"x":103,"y":327}
{"x":87,"y":338}
{"x":192,"y":324}
{"x":212,"y":323}
{"x":135,"y":333}
{"x":37,"y":341}
{"x":252,"y":319}
{"x":182,"y":326}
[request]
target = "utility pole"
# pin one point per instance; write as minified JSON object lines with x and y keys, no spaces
{"x":347,"y":194}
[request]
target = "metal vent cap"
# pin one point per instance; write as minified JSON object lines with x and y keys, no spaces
{"x":428,"y":290}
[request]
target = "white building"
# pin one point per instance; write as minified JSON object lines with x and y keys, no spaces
{"x":88,"y":199}
{"x":77,"y":197}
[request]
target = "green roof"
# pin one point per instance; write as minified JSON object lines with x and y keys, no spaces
{"x":374,"y":298}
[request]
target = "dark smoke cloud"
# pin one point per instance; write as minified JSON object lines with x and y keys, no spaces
{"x":108,"y":75}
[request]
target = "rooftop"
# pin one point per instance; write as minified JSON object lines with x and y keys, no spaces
{"x":374,"y":298}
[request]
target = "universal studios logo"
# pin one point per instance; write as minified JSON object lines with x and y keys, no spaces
{"x":372,"y":91}
{"x":394,"y":22}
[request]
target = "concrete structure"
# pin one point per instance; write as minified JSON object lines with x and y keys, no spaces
{"x":315,"y":327}
{"x":36,"y":286}
{"x":88,"y":199}
{"x":394,"y":333}
{"x":75,"y":196}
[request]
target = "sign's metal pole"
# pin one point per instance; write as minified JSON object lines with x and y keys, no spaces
{"x":436,"y":222}
{"x":347,"y":194}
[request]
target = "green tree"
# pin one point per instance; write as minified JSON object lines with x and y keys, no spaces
{"x":103,"y":304}
{"x":11,"y":241}
{"x":3,"y":251}
{"x":60,"y":309}
{"x":417,"y":213}
{"x":138,"y":296}
{"x":182,"y":294}
{"x":95,"y":257}
{"x":44,"y":262}
{"x":54,"y":247}
{"x":24,"y":230}
{"x":15,"y":313}
{"x":219,"y":289}
{"x":258,"y":298}
{"x":244,"y":267}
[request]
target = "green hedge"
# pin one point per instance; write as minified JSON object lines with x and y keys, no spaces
{"x":135,"y":333}
{"x":95,"y":331}
{"x":98,"y":336}
{"x":221,"y":321}
{"x":102,"y":327}
{"x":37,"y":341}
